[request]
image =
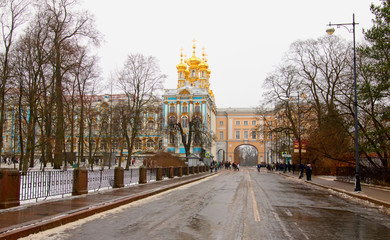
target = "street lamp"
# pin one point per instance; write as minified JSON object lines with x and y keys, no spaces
{"x":330,"y":31}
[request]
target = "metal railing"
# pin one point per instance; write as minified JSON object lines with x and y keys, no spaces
{"x":131,"y":176}
{"x":40,"y":185}
{"x":151,"y":174}
{"x":100,"y":179}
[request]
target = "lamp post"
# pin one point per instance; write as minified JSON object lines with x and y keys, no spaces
{"x":330,"y":31}
{"x":299,"y":133}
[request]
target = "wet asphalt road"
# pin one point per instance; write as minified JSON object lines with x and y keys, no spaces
{"x":235,"y":205}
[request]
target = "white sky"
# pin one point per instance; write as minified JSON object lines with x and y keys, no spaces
{"x":244,"y":39}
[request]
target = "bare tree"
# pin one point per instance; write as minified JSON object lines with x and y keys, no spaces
{"x":12,"y":14}
{"x":140,"y":79}
{"x":68,"y":28}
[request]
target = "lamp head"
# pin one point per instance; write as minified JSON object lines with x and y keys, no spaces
{"x":330,"y":31}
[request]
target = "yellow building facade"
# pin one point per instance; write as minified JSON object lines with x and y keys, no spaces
{"x":237,"y":127}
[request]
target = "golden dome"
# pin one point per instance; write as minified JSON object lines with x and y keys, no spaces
{"x":181,"y":65}
{"x":194,"y":60}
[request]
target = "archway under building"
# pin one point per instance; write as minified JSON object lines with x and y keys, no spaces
{"x":220,"y":155}
{"x":246,"y":155}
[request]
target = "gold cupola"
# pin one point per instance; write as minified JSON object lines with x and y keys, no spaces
{"x":193,"y":61}
{"x":203,"y":65}
{"x":181,"y":66}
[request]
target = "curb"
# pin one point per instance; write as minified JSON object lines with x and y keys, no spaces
{"x":356,"y":195}
{"x":83,"y":213}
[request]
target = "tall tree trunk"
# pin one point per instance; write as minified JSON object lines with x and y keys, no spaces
{"x":59,"y":143}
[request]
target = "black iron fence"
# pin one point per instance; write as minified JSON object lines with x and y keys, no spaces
{"x":40,"y":185}
{"x":367,"y":175}
{"x":100,"y":179}
{"x":131,"y":176}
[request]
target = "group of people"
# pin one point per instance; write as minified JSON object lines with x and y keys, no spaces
{"x":228,"y":165}
{"x":290,"y":167}
{"x":10,"y":160}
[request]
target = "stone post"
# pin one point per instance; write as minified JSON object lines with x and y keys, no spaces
{"x":9,"y":188}
{"x":171,"y":173}
{"x":119,"y":177}
{"x":197,"y":169}
{"x":186,"y":170}
{"x":179,"y":171}
{"x":80,"y":181}
{"x":142,"y":175}
{"x":192,"y":170}
{"x":159,"y":174}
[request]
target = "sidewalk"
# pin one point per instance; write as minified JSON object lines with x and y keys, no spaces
{"x":377,"y":195}
{"x":27,"y":219}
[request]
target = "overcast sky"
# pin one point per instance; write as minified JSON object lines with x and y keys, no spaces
{"x":244,"y":39}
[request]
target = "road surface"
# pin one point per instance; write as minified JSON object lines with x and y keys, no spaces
{"x":241,"y":204}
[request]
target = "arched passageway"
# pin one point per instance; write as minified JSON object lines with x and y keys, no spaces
{"x":246,"y":155}
{"x":220,"y":155}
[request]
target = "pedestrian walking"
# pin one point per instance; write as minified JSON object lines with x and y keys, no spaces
{"x":301,"y":169}
{"x":309,"y":171}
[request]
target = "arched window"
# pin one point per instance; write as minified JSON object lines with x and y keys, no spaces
{"x":150,"y":124}
{"x":193,"y":73}
{"x":138,"y":144}
{"x":197,"y":108}
{"x":172,"y":120}
{"x":160,"y":145}
{"x":103,"y":145}
{"x":184,"y":122}
{"x":185,"y":108}
{"x":150,"y":143}
{"x":171,"y":108}
{"x":68,"y":145}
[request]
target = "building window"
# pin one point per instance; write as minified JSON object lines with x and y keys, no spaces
{"x":185,"y":108}
{"x":246,"y":135}
{"x":115,"y":144}
{"x":138,"y":144}
{"x":160,"y":144}
{"x":238,"y":123}
{"x":237,"y":134}
{"x":221,"y":135}
{"x":103,"y":145}
{"x":172,"y":108}
{"x":197,"y":109}
{"x":253,"y":134}
{"x":220,"y":123}
{"x":184,"y":122}
{"x":150,"y":143}
{"x":150,"y":124}
{"x":245,"y":123}
{"x":254,"y":123}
